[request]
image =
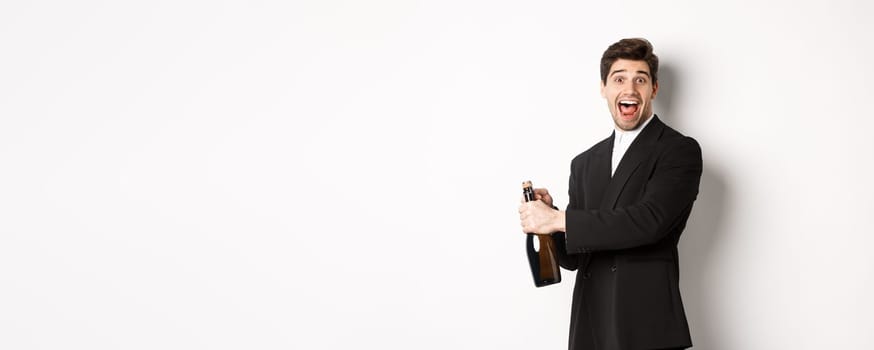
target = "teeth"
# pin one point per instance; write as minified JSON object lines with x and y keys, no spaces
{"x":628,"y":102}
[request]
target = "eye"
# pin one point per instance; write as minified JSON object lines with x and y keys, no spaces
{"x":641,"y":80}
{"x":619,"y":80}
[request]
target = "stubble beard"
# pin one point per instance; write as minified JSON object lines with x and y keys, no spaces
{"x":635,"y":123}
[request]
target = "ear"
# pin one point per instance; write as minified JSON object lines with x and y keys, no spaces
{"x":603,"y":90}
{"x":655,"y":89}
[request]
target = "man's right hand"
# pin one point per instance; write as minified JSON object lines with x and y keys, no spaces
{"x":543,"y":195}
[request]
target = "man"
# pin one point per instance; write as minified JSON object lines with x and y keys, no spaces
{"x":630,"y":197}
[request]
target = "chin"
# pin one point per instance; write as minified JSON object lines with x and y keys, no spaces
{"x":627,"y":126}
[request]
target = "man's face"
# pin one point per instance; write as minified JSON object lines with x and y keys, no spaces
{"x":629,"y":92}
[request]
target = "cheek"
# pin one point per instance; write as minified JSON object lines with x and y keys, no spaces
{"x":645,"y":94}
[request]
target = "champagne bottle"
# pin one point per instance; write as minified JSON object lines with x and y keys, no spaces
{"x":543,"y":262}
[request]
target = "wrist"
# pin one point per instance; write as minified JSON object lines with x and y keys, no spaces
{"x":558,"y":221}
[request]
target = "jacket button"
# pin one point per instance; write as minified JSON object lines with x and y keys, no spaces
{"x":613,"y":268}
{"x":587,"y":275}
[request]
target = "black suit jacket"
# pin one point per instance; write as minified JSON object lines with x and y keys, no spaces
{"x":622,"y":235}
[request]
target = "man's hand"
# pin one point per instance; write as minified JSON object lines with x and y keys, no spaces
{"x":538,"y":218}
{"x":542,"y":195}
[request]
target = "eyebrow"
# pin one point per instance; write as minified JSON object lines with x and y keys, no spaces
{"x":623,"y":70}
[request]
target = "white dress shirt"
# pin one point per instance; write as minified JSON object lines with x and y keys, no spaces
{"x":622,"y":141}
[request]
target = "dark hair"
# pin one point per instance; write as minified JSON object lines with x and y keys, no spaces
{"x":636,"y":49}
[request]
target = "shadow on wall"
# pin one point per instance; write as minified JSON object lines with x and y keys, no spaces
{"x":704,"y":229}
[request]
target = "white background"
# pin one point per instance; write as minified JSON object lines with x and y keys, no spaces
{"x":346,"y":174}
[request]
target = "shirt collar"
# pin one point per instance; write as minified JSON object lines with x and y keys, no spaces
{"x":623,"y":136}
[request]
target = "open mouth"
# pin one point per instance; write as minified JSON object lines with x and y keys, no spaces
{"x":628,"y":107}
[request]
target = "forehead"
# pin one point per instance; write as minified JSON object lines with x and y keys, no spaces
{"x":629,"y":66}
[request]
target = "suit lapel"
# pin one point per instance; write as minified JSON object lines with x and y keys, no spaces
{"x":639,"y":150}
{"x":598,"y":177}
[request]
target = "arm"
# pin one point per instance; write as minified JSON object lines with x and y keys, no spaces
{"x":669,"y":194}
{"x":567,"y":261}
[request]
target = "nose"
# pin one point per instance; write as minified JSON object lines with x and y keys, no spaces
{"x":628,"y":91}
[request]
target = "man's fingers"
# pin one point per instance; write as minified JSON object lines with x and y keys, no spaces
{"x":524,"y":214}
{"x":543,"y":195}
{"x":526,"y":226}
{"x":528,"y":205}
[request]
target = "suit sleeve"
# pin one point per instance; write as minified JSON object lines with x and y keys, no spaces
{"x":567,"y":261}
{"x":668,"y":195}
